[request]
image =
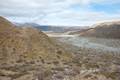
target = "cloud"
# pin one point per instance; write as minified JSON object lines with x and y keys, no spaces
{"x":56,"y":12}
{"x":78,"y":18}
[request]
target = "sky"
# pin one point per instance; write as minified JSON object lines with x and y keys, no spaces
{"x":60,"y":12}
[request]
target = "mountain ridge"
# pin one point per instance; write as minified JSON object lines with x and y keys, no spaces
{"x":52,"y":28}
{"x":104,"y":30}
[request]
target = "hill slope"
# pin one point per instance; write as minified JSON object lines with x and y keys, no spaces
{"x":104,"y":30}
{"x":25,"y":50}
{"x":5,"y":24}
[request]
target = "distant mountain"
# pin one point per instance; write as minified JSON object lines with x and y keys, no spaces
{"x":51,"y":28}
{"x":104,"y":30}
{"x":41,"y":27}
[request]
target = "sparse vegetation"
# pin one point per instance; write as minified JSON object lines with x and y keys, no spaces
{"x":29,"y":54}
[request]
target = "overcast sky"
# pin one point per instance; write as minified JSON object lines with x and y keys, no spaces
{"x":60,"y":12}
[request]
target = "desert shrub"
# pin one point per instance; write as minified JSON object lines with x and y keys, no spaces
{"x":77,"y":62}
{"x":58,"y":69}
{"x":44,"y":75}
{"x":48,"y":62}
{"x":47,"y":73}
{"x":91,"y":65}
{"x":43,"y":61}
{"x":88,"y":76}
{"x":32,"y":62}
{"x":59,"y":52}
{"x":112,"y":75}
{"x":58,"y":56}
{"x":55,"y":62}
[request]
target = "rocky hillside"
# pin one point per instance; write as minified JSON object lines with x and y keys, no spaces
{"x":104,"y":30}
{"x":5,"y":24}
{"x":26,"y":51}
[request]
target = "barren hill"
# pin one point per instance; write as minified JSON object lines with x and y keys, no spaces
{"x":104,"y":30}
{"x":23,"y":48}
{"x":79,"y":31}
{"x":5,"y":24}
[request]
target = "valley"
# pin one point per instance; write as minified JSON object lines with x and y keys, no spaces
{"x":59,"y":39}
{"x":94,"y":55}
{"x":27,"y":53}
